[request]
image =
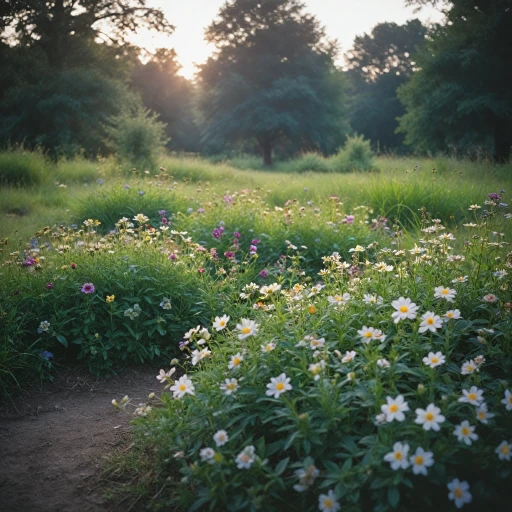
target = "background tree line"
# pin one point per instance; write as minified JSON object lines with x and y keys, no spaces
{"x":71,"y":82}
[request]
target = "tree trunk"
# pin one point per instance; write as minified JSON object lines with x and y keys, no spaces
{"x":502,"y":140}
{"x":267,"y":152}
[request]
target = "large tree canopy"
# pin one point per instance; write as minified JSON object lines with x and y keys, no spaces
{"x":271,"y":79}
{"x":461,"y":99}
{"x":378,"y":63}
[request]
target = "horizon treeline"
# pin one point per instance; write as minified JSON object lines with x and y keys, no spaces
{"x":71,"y":83}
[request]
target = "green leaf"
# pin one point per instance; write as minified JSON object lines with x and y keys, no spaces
{"x":63,"y":340}
{"x":280,"y":468}
{"x":393,"y":496}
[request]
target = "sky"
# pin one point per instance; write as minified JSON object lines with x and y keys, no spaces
{"x":342,"y":19}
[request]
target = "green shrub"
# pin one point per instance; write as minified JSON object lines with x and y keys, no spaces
{"x":138,"y":138}
{"x":356,"y":155}
{"x":306,"y":162}
{"x":21,"y":167}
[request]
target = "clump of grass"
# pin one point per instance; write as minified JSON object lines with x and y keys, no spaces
{"x":306,"y":162}
{"x":21,"y":167}
{"x":355,"y":155}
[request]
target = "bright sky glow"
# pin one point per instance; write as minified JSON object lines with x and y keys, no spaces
{"x":343,"y":20}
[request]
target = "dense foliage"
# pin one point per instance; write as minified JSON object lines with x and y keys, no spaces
{"x":460,"y":99}
{"x":271,"y":80}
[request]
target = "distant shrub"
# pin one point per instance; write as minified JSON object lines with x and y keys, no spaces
{"x":307,"y":162}
{"x":78,"y":170}
{"x":138,"y":137}
{"x":355,"y":155}
{"x":21,"y":167}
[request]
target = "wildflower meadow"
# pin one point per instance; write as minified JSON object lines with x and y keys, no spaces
{"x":311,"y":356}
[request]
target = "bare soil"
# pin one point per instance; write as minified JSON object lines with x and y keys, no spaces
{"x":54,"y":440}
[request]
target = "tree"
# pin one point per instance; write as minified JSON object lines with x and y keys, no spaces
{"x":60,"y":27}
{"x":170,"y":95}
{"x":462,"y":96}
{"x":272,"y":79}
{"x":378,"y":64}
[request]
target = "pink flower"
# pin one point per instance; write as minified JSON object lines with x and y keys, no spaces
{"x":87,"y":288}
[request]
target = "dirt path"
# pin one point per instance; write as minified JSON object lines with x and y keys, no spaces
{"x":52,"y":446}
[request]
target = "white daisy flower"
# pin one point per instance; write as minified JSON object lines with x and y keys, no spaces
{"x":398,"y":457}
{"x":207,"y":455}
{"x":507,"y":401}
{"x":377,"y":335}
{"x":434,"y":359}
{"x":197,"y":355}
{"x":448,"y":294}
{"x":220,"y":437}
{"x":405,"y":309}
{"x":182,"y":387}
{"x":268,"y":347}
{"x":482,"y":414}
{"x":229,"y":386}
{"x":278,"y":385}
{"x":420,"y":461}
{"x":339,"y":300}
{"x":474,"y":396}
{"x":461,"y":279}
{"x":246,"y":458}
{"x":372,"y":299}
{"x":504,"y":451}
{"x":247,"y":328}
{"x":430,"y":322}
{"x":366,"y":334}
{"x":328,"y":503}
{"x":235,"y":361}
{"x":394,"y":408}
{"x":453,"y":314}
{"x":349,"y":356}
{"x":465,"y":433}
{"x":459,"y":492}
{"x":163,"y":376}
{"x":383,"y":363}
{"x":314,"y":343}
{"x":317,"y":368}
{"x":429,"y":418}
{"x":220,"y":322}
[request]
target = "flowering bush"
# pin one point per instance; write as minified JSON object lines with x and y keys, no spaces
{"x":387,"y":384}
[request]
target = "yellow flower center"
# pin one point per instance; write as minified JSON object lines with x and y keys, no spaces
{"x":312,"y":310}
{"x":510,"y":399}
{"x":465,"y":431}
{"x":434,"y":360}
{"x":368,"y":334}
{"x":398,"y":455}
{"x":505,"y":449}
{"x":222,"y":323}
{"x":430,"y":321}
{"x":418,"y":460}
{"x":449,"y":315}
{"x":328,"y":503}
{"x":183,"y":387}
{"x":393,"y":408}
{"x":472,"y":396}
{"x":236,"y":361}
{"x":404,"y":309}
{"x":429,"y":416}
{"x":457,"y":493}
{"x":280,"y":386}
{"x":231,"y":386}
{"x":338,"y":298}
{"x":246,"y":330}
{"x":445,"y":291}
{"x":481,"y":415}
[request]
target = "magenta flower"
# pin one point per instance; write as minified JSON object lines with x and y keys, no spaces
{"x":49,"y":286}
{"x":172,"y":256}
{"x":87,"y":288}
{"x":255,"y":242}
{"x":236,"y":234}
{"x":264,"y":273}
{"x":201,"y":270}
{"x":230,"y":255}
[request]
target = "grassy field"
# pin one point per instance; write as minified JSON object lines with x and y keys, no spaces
{"x":341,"y":339}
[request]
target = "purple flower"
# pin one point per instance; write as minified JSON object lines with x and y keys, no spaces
{"x":264,"y":273}
{"x":29,"y":262}
{"x":172,"y":256}
{"x":255,"y":242}
{"x":200,"y":210}
{"x":127,"y":186}
{"x":49,"y":286}
{"x":201,"y":270}
{"x":163,"y":220}
{"x":46,"y":355}
{"x":236,"y":234}
{"x":253,"y":249}
{"x":217,"y":232}
{"x":348,"y":219}
{"x":494,"y":196}
{"x":228,"y":199}
{"x":230,"y":255}
{"x":100,"y":182}
{"x":141,"y":192}
{"x":162,"y":213}
{"x":87,"y":288}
